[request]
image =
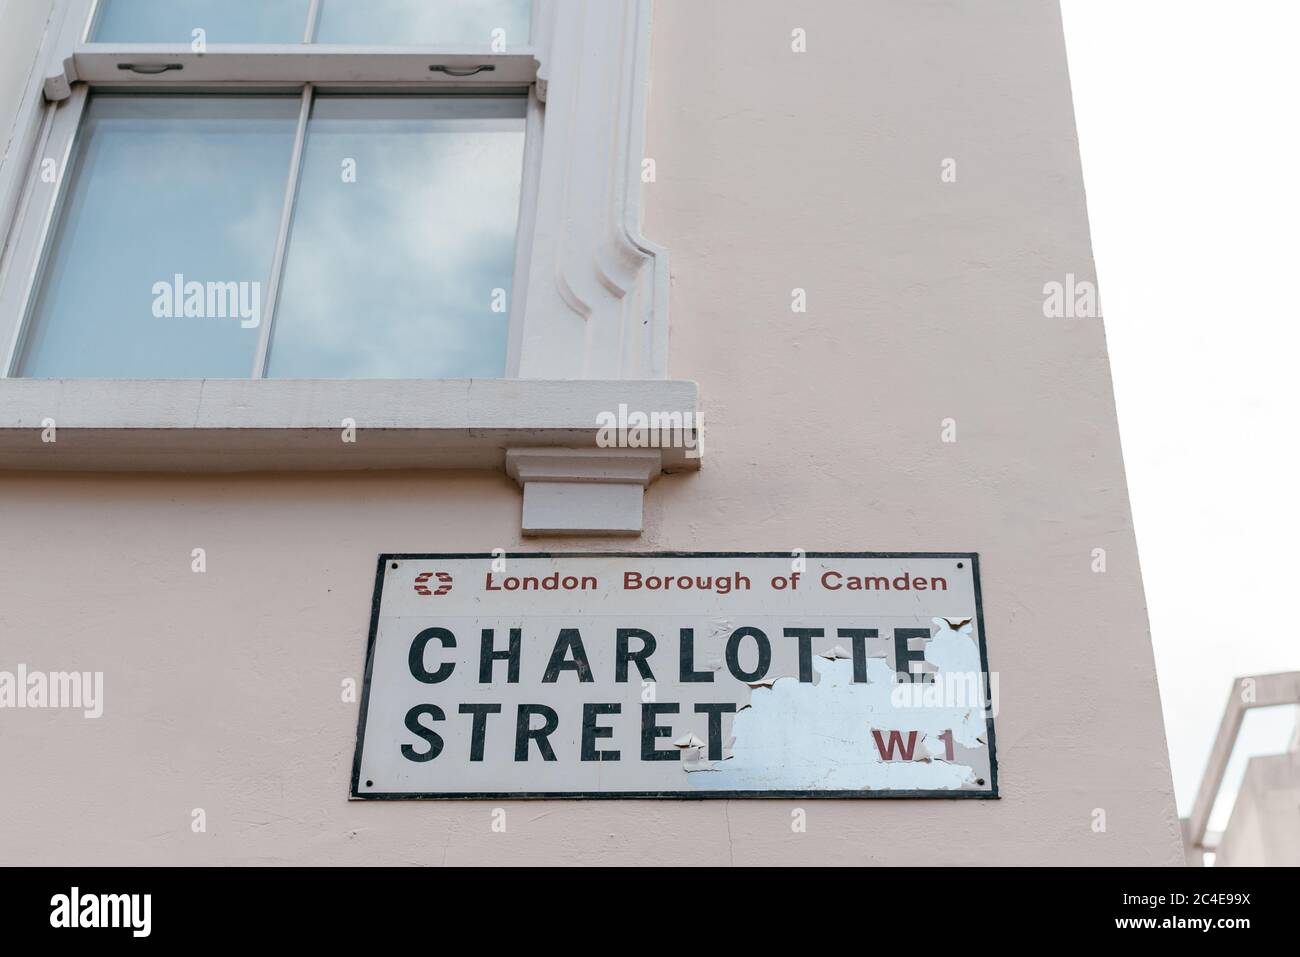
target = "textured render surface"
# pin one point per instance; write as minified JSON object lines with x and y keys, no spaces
{"x":775,"y":171}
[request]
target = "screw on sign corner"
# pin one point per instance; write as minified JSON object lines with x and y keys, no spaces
{"x":444,"y":586}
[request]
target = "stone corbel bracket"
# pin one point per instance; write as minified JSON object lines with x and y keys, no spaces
{"x":583,"y":491}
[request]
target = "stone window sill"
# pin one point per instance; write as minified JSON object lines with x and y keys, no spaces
{"x":545,"y":433}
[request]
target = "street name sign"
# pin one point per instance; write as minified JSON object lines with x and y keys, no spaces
{"x":676,"y":675}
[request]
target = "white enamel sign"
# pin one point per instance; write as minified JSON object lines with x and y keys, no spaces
{"x":676,"y":675}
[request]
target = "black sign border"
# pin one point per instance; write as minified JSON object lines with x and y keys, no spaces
{"x":841,"y":794}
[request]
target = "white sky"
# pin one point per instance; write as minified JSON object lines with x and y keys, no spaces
{"x":1190,"y":132}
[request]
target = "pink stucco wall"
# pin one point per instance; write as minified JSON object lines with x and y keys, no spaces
{"x":775,"y":170}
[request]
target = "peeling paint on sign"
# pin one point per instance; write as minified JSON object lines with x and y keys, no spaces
{"x":677,"y":675}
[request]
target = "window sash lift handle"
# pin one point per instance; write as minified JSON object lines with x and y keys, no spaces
{"x":150,"y":69}
{"x":468,"y":71}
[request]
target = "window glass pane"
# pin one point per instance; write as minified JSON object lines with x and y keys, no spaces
{"x":223,"y":21}
{"x":164,"y":187}
{"x":442,"y":22}
{"x":403,"y":234}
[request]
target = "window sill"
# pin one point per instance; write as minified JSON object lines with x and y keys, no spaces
{"x":259,"y":425}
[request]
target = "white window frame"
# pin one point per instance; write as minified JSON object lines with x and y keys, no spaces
{"x":590,"y":294}
{"x":589,"y":297}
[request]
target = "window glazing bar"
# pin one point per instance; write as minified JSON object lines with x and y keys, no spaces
{"x":313,"y":18}
{"x":282,"y":240}
{"x":18,"y":277}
